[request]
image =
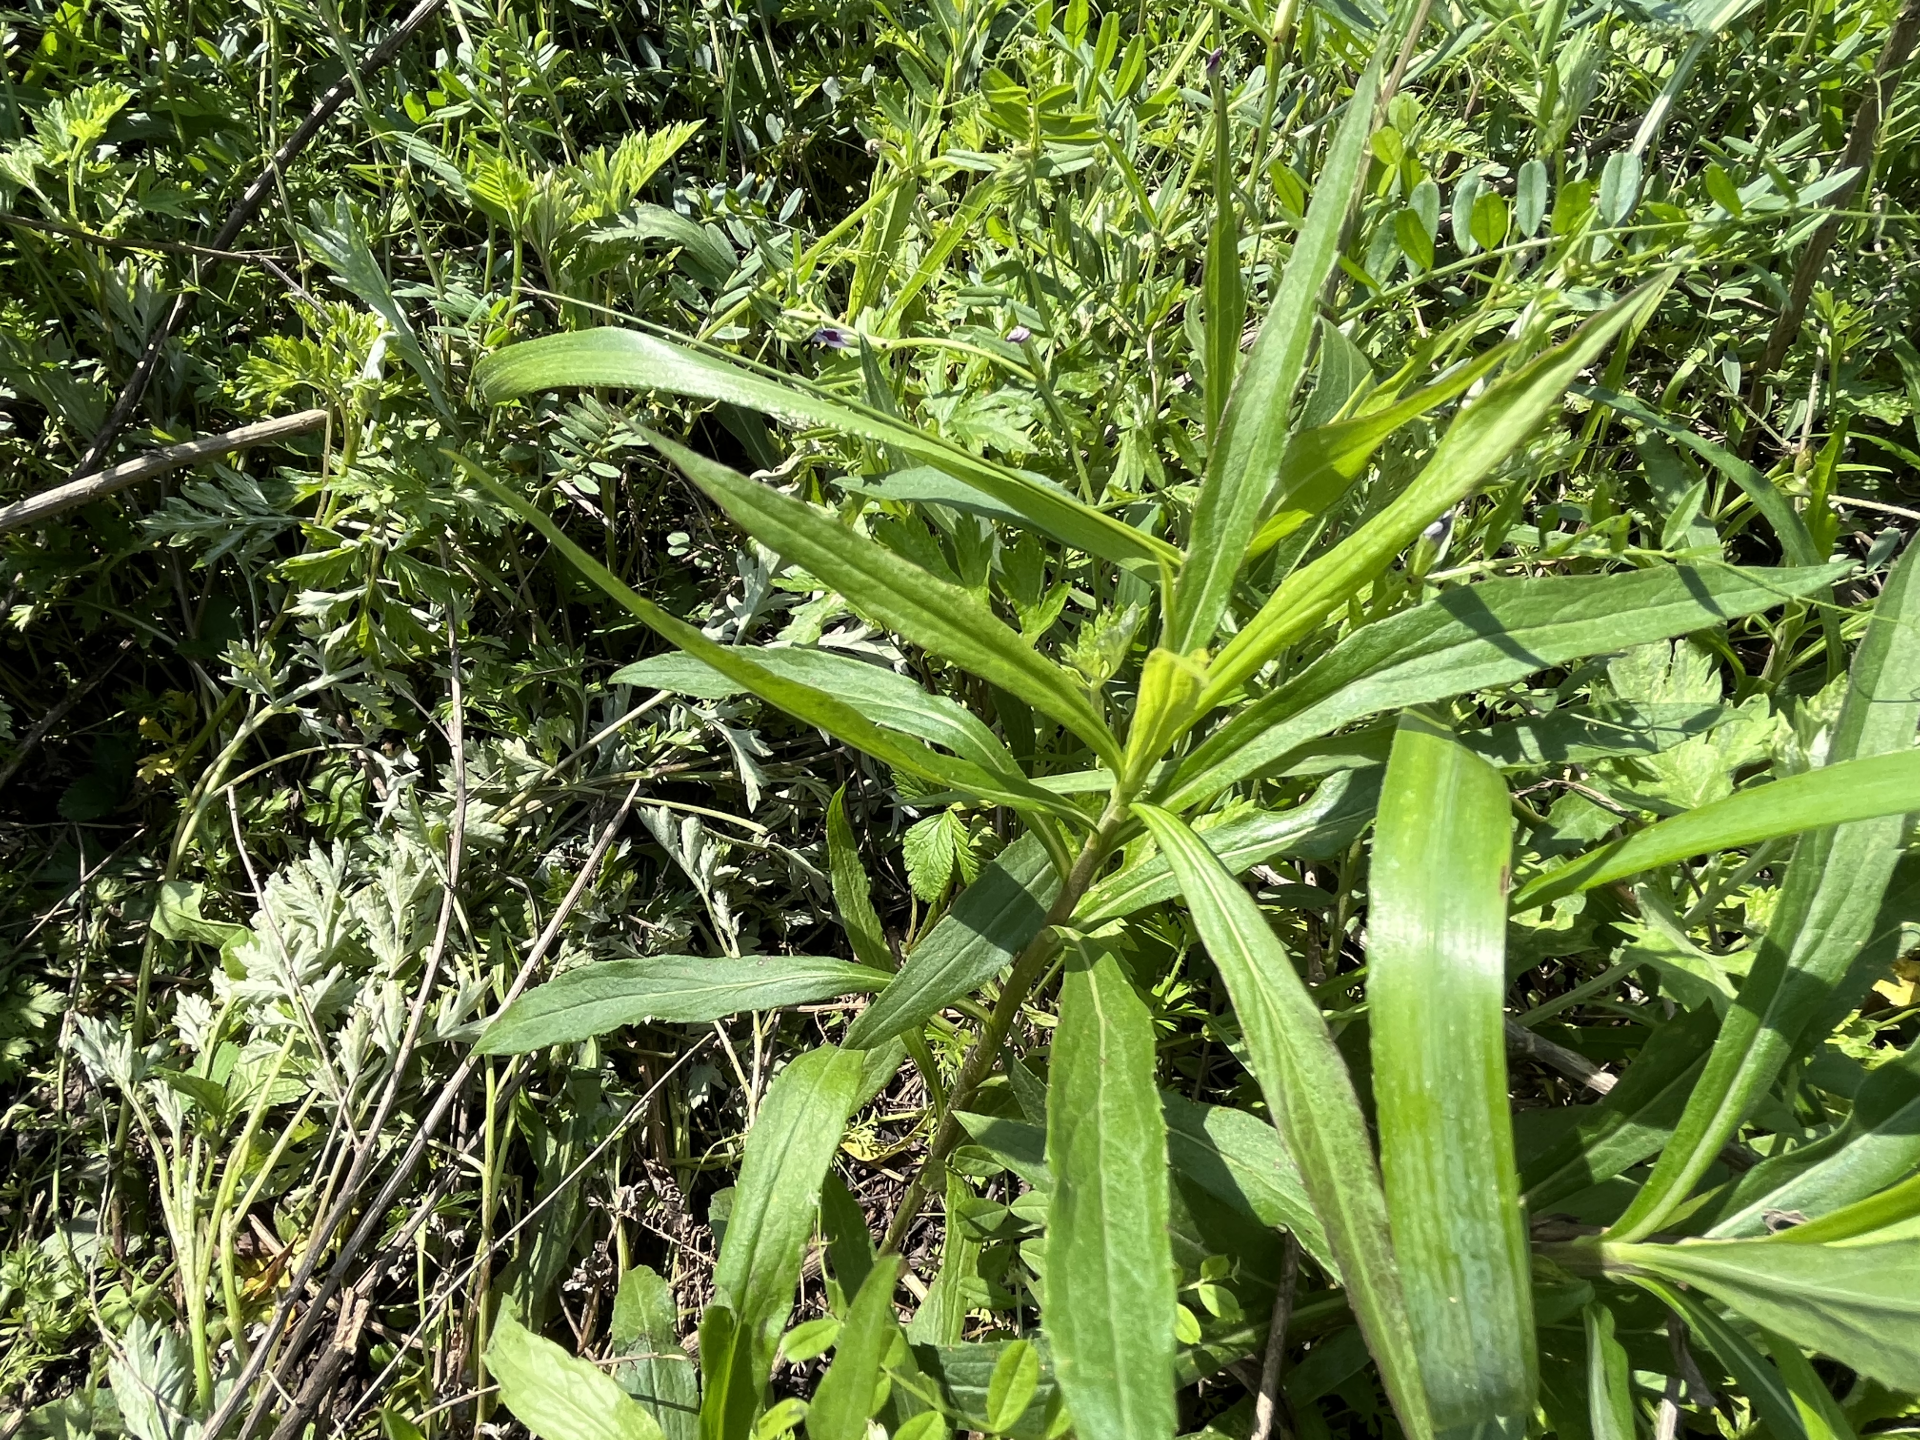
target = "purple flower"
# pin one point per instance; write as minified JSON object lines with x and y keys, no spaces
{"x":832,"y":336}
{"x":1215,"y":58}
{"x":1019,"y":334}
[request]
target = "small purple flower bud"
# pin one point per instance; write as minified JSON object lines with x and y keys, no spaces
{"x":1215,"y":58}
{"x":832,"y":337}
{"x":1019,"y":334}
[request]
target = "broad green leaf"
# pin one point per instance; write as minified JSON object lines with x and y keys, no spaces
{"x":678,"y":989}
{"x":1476,"y":637}
{"x":1246,"y":454}
{"x":1321,"y":463}
{"x":972,"y":943}
{"x":628,"y":358}
{"x":1109,"y":1302}
{"x":1017,"y":1144}
{"x":730,"y":1387}
{"x":888,"y":699}
{"x":937,"y":615}
{"x":1857,"y":1303}
{"x":1759,"y":1381}
{"x":1010,"y":1389}
{"x":1581,"y":734}
{"x":559,"y":1397}
{"x":1609,"y":1377}
{"x":1828,"y":902}
{"x":794,"y":1138}
{"x":818,"y":707}
{"x":965,"y":1375}
{"x":1878,"y":1145}
{"x":1311,"y":1096}
{"x":1436,"y":977}
{"x":1241,"y":1159}
{"x":845,"y":1397}
{"x":645,"y":1331}
{"x":1321,"y":828}
{"x":1852,"y":790}
{"x":1480,"y":439}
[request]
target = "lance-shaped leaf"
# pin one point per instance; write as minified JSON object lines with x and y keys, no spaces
{"x":645,"y":362}
{"x":1311,"y":1096}
{"x":1476,"y":444}
{"x":1609,"y":1377}
{"x":935,"y":614}
{"x":844,"y":1401}
{"x":852,"y":895}
{"x":805,"y":702}
{"x":889,"y":699}
{"x":1245,"y":456}
{"x":794,"y":1138}
{"x":1828,"y":902}
{"x":1322,"y":462}
{"x":678,"y":989}
{"x":1109,"y":1305}
{"x":1851,"y":790}
{"x":1323,"y":827}
{"x":1241,"y":1159}
{"x":1858,"y":1303}
{"x":974,"y":941}
{"x":1436,"y":976}
{"x":1476,"y":637}
{"x":1878,"y":1145}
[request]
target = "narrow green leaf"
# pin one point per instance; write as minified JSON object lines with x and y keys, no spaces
{"x":559,"y":1397}
{"x":1311,"y":1096}
{"x":845,"y":1397}
{"x":1320,"y":829}
{"x":888,"y":699}
{"x":1828,"y":902}
{"x":1852,"y":790}
{"x":1253,"y":434}
{"x":628,"y":358}
{"x":1225,"y":302}
{"x":935,"y":614}
{"x":793,"y":1140}
{"x":1819,"y":1411}
{"x":1858,"y":1303}
{"x":679,"y":989}
{"x":1436,"y":978}
{"x":1758,"y":1381}
{"x":942,"y":1316}
{"x":817,"y":707}
{"x":1893,"y":1206}
{"x":972,"y":943}
{"x":645,"y":1332}
{"x":849,"y":1241}
{"x":1609,"y":1378}
{"x":1877,"y":1146}
{"x":1109,"y":1296}
{"x":852,"y":896}
{"x":1321,"y":463}
{"x":1473,"y":638}
{"x":1581,"y":734}
{"x":1478,"y":441}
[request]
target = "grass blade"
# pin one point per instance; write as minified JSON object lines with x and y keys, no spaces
{"x":1312,"y":1099}
{"x":1436,"y":978}
{"x":1109,"y":1295}
{"x":644,"y":362}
